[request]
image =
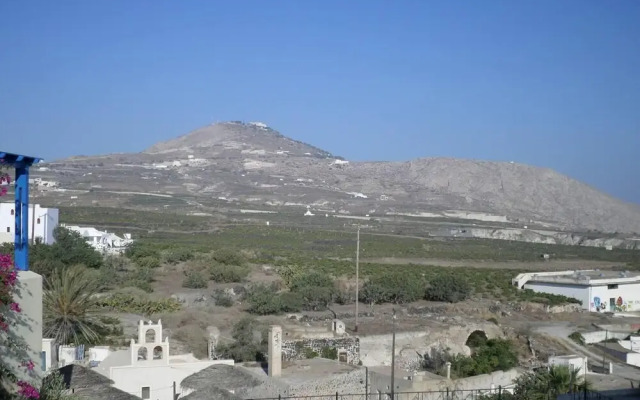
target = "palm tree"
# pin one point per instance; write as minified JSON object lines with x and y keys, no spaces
{"x":70,"y":308}
{"x":549,"y":383}
{"x":562,"y":379}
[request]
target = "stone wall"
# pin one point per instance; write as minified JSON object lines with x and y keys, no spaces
{"x":380,"y":382}
{"x":376,"y":349}
{"x":295,"y":349}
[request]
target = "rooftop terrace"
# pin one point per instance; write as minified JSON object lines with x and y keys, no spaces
{"x":592,"y":277}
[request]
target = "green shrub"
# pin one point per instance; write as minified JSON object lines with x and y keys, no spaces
{"x":223,"y":273}
{"x":140,"y":278}
{"x":577,"y":337}
{"x":546,"y":298}
{"x":450,"y":288}
{"x":392,"y":287}
{"x":493,"y":355}
{"x":194,"y":280}
{"x":344,"y":297}
{"x":300,"y":282}
{"x":228,"y":257}
{"x":46,"y":266}
{"x":309,"y":353}
{"x":329,"y":352}
{"x":130,"y":303}
{"x":317,"y":290}
{"x":54,"y":387}
{"x":290,"y":302}
{"x":139,"y":249}
{"x":263,"y":300}
{"x":71,"y":249}
{"x":175,"y":256}
{"x":247,"y":346}
{"x":148,"y":262}
{"x":222,"y":298}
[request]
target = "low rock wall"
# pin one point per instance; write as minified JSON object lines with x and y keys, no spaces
{"x":295,"y":349}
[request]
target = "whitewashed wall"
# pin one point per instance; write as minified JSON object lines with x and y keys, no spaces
{"x":159,"y":379}
{"x":579,"y":292}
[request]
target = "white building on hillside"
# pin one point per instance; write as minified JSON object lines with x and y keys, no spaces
{"x":42,"y":222}
{"x":104,"y":242}
{"x":147,"y":370}
{"x":574,"y":362}
{"x":601,"y":291}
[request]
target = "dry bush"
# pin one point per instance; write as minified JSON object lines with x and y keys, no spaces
{"x":194,"y":338}
{"x":189,"y":328}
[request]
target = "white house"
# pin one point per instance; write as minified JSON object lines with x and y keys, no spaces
{"x":105,"y":242}
{"x":42,"y":222}
{"x":574,"y":362}
{"x":601,"y":291}
{"x":147,"y":370}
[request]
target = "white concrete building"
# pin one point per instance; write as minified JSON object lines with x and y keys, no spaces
{"x":48,"y":357}
{"x":573,"y":361}
{"x":147,"y":370}
{"x":42,"y":222}
{"x":104,"y":242}
{"x":599,"y":291}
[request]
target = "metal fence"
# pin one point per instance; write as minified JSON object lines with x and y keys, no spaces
{"x":584,"y":395}
{"x":476,"y":394}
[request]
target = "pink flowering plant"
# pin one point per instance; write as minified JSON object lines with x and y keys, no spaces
{"x":12,"y":346}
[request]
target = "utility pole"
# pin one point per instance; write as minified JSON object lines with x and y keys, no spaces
{"x":33,"y":224}
{"x":606,"y":339}
{"x":357,"y":275}
{"x":393,"y":357}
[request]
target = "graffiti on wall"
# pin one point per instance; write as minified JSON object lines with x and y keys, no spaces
{"x":619,"y":304}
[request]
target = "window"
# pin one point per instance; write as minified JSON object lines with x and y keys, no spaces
{"x":13,"y":212}
{"x":38,"y":221}
{"x":146,"y":392}
{"x":142,"y":353}
{"x":157,"y":353}
{"x":612,"y":286}
{"x":8,"y":229}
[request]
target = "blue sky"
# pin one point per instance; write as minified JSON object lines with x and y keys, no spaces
{"x":546,"y":82}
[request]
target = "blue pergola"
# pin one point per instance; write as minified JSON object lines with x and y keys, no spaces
{"x":21,"y":164}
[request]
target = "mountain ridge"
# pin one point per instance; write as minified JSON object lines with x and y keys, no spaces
{"x":252,"y":162}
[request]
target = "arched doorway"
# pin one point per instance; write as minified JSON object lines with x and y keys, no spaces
{"x":476,"y":339}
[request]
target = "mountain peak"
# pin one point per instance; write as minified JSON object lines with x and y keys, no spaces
{"x":234,"y":136}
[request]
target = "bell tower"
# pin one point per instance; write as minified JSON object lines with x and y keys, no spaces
{"x":150,"y":348}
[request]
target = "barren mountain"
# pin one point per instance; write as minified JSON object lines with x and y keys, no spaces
{"x":253,"y":164}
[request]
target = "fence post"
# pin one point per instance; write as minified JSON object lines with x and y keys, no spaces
{"x":447,"y":393}
{"x":499,"y":392}
{"x":336,"y":395}
{"x":279,"y":396}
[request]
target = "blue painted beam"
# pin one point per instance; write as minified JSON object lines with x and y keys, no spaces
{"x":21,"y":164}
{"x":21,"y":257}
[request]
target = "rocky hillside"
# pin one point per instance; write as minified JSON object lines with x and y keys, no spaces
{"x":252,"y":163}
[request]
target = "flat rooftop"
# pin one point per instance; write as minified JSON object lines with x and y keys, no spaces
{"x":581,"y":277}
